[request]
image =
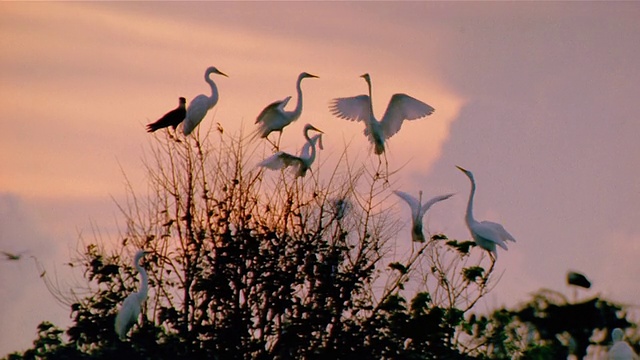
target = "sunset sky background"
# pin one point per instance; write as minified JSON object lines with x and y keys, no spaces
{"x":539,"y":100}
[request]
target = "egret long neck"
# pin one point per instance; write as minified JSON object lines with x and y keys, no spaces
{"x":298,"y":110}
{"x":370,"y":100}
{"x":144,"y":281}
{"x":214,"y":90}
{"x":469,"y":216}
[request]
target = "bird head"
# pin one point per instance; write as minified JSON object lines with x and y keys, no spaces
{"x":308,"y":127}
{"x":140,"y":254}
{"x":182,"y":100}
{"x":214,"y":70}
{"x":467,"y":172}
{"x":366,"y":77}
{"x":306,"y":75}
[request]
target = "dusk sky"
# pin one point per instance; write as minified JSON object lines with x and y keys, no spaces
{"x":539,"y":100}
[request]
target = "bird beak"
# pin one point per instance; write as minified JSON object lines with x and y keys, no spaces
{"x":461,"y":169}
{"x":312,"y":76}
{"x":223,"y":74}
{"x":316,"y":129}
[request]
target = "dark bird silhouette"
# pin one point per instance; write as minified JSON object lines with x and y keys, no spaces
{"x":577,"y":279}
{"x":173,"y":118}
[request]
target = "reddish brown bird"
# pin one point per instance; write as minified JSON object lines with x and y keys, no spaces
{"x":173,"y":118}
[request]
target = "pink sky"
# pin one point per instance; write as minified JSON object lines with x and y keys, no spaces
{"x":539,"y":100}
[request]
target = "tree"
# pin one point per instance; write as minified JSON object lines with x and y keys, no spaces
{"x":253,"y":265}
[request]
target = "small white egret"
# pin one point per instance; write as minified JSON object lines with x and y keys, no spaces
{"x":620,"y":349}
{"x":486,"y":234}
{"x":201,"y":104}
{"x":418,"y":210}
{"x":173,"y":118}
{"x":359,"y":108}
{"x":282,"y":160}
{"x":274,"y":117}
{"x":130,"y":310}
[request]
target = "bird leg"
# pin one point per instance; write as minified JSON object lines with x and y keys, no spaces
{"x":278,"y":143}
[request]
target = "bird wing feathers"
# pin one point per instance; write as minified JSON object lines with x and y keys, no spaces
{"x":356,"y":108}
{"x":274,"y":107}
{"x":432,"y":201}
{"x":196,"y":111}
{"x":492,"y":232}
{"x":414,"y":204}
{"x":402,"y":107}
{"x":128,"y":314}
{"x":280,"y":160}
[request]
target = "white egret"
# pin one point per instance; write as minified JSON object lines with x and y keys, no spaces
{"x":486,"y":234}
{"x":418,"y":210}
{"x":274,"y":117}
{"x":130,"y":310}
{"x":201,"y":104}
{"x":359,"y":108}
{"x":173,"y":118}
{"x":620,"y":349}
{"x":282,"y":160}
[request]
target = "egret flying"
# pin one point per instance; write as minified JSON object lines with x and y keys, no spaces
{"x":282,"y":160}
{"x":486,"y":234}
{"x":130,"y":310}
{"x":173,"y":118}
{"x":274,"y":117}
{"x":620,"y":349}
{"x":418,"y":210}
{"x":359,"y":108}
{"x":201,"y":104}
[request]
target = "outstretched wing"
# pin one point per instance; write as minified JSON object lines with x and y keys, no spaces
{"x":432,"y":201}
{"x":414,"y":204}
{"x":402,"y":107}
{"x":276,"y":106}
{"x":500,"y":230}
{"x":280,"y":160}
{"x":356,"y":108}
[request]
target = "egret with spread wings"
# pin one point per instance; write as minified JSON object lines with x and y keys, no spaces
{"x":418,"y":210}
{"x":282,"y":160}
{"x":359,"y":108}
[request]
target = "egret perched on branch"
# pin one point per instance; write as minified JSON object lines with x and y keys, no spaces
{"x":282,"y":160}
{"x":486,"y":234}
{"x":130,"y":310}
{"x":418,"y":210}
{"x":359,"y":108}
{"x":620,"y":349}
{"x":201,"y":104}
{"x":173,"y":118}
{"x":274,"y":117}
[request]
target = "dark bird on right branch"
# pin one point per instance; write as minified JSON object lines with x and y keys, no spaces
{"x":173,"y":118}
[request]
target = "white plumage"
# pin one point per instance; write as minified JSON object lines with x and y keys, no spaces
{"x":274,"y":117}
{"x":486,"y":234}
{"x":130,"y":310}
{"x":620,"y":349}
{"x":201,"y":104}
{"x":302,"y":163}
{"x":418,"y":210}
{"x":359,"y":108}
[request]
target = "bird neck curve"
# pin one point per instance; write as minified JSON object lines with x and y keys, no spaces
{"x":214,"y":89}
{"x":144,"y":280}
{"x":298,"y":110}
{"x":469,"y":215}
{"x":370,"y":98}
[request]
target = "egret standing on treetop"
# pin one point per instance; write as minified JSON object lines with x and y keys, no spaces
{"x":359,"y":108}
{"x":173,"y":118}
{"x":130,"y":310}
{"x":274,"y":117}
{"x":486,"y":234}
{"x":200,"y":105}
{"x":418,"y":210}
{"x":282,"y":160}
